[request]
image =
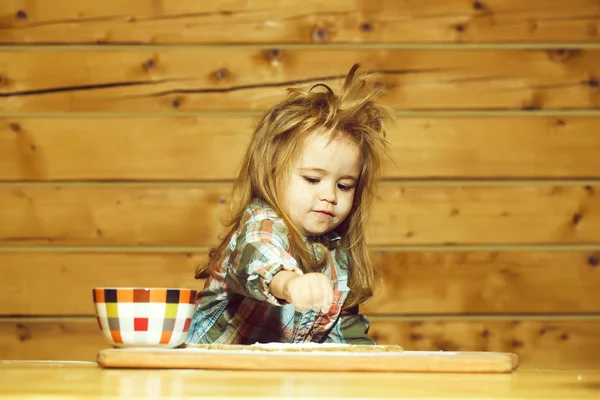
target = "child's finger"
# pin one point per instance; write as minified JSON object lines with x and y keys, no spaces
{"x":327,"y":298}
{"x":301,"y":298}
{"x":317,"y":298}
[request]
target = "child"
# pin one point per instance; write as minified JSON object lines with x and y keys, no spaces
{"x":294,"y":266}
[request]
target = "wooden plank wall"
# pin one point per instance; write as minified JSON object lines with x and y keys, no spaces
{"x":121,"y":125}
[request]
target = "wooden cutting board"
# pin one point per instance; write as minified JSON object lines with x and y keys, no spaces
{"x":239,"y":358}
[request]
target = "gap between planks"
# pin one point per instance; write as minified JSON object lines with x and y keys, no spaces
{"x":372,"y":317}
{"x":257,"y":114}
{"x":306,"y":46}
{"x":205,"y":249}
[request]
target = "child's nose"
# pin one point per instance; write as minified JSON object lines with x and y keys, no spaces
{"x":328,"y":195}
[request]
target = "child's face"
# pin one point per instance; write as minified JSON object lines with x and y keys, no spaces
{"x":320,"y":188}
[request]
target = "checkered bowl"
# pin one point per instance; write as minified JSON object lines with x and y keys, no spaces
{"x":144,"y":317}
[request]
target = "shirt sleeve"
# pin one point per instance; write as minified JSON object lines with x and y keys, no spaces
{"x":350,"y":329}
{"x":261,"y":251}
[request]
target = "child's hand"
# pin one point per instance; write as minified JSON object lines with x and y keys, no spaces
{"x":305,"y":292}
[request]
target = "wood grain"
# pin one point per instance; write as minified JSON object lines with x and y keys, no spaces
{"x":414,"y":283}
{"x":270,"y":21}
{"x":359,"y":361}
{"x":242,"y":79}
{"x":403,"y":214}
{"x":65,"y":280}
{"x":210,"y":147}
{"x":547,"y":344}
{"x":482,"y":282}
{"x":83,"y":379}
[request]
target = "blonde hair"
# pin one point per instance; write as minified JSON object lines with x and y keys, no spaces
{"x":354,"y":115}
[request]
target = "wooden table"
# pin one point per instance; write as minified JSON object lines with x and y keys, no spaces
{"x":70,"y":380}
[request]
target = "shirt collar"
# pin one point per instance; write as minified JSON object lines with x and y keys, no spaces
{"x":331,"y":236}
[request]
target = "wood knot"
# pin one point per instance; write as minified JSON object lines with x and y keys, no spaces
{"x":533,"y":26}
{"x":23,"y":333}
{"x":593,"y":261}
{"x":460,"y":27}
{"x":222,"y":200}
{"x":446,"y":345}
{"x":589,"y":189}
{"x":221,"y":73}
{"x":176,"y":103}
{"x":577,"y":218}
{"x":564,"y":337}
{"x":273,"y":53}
{"x":1,"y":79}
{"x":149,"y":64}
{"x":562,"y":55}
{"x":320,"y":34}
{"x":593,"y":83}
{"x":485,"y":333}
{"x":15,"y":127}
{"x":415,"y":336}
{"x":366,"y":27}
{"x":560,"y":122}
{"x":531,"y":107}
{"x":22,"y":15}
{"x":478,"y":5}
{"x":516,"y":343}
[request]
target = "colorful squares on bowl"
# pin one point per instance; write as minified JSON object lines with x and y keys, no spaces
{"x":140,"y":324}
{"x":141,"y":295}
{"x":168,"y":325}
{"x":110,"y":295}
{"x":98,"y":295}
{"x":187,"y":324}
{"x":113,"y":324}
{"x":112,"y":310}
{"x":144,"y":316}
{"x":171,"y":310}
{"x":187,"y":297}
{"x":125,"y":295}
{"x":158,"y":296}
{"x":116,"y":336}
{"x":172,"y":296}
{"x":165,"y":338}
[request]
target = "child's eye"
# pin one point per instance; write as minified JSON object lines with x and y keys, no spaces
{"x":311,"y":180}
{"x":345,"y":188}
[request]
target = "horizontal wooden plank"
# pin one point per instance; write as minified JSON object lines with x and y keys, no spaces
{"x":483,"y":282}
{"x":66,"y":280}
{"x":460,"y":282}
{"x":191,"y":215}
{"x":275,"y":21}
{"x":210,"y":147}
{"x":146,"y":79}
{"x":547,"y":344}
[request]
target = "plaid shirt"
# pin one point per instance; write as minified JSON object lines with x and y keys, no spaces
{"x":236,"y":305}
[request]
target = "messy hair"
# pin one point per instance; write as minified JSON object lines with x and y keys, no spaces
{"x":354,"y":115}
